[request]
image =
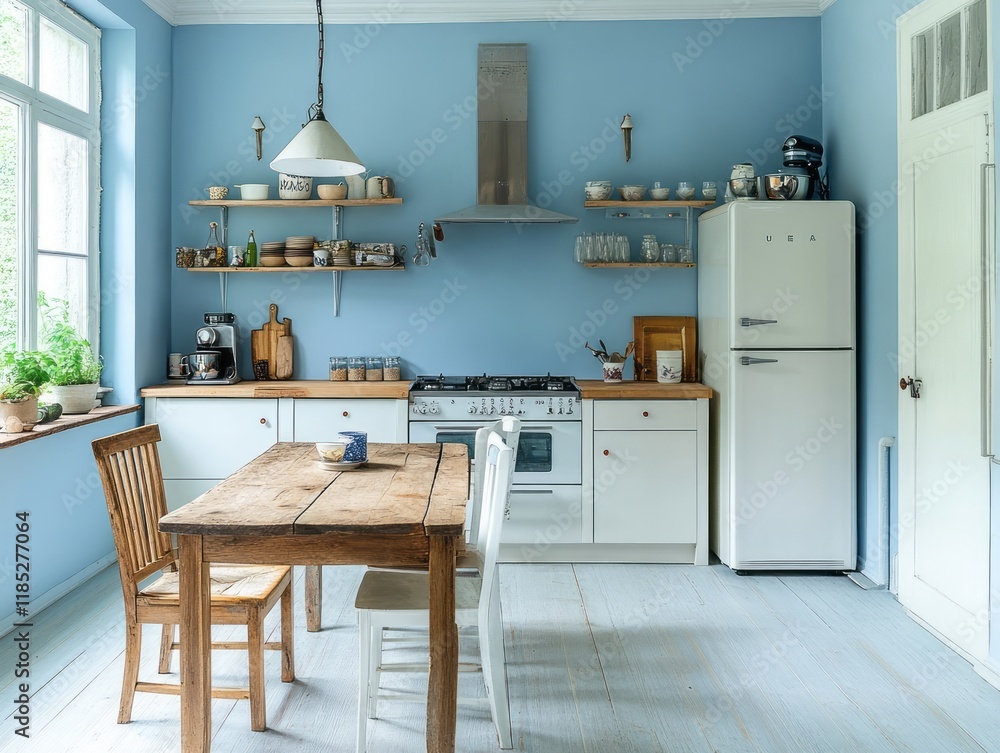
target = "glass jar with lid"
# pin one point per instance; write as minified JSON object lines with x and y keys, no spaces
{"x":650,"y":248}
{"x":356,"y":369}
{"x":373,"y":369}
{"x":338,"y":369}
{"x":390,"y":368}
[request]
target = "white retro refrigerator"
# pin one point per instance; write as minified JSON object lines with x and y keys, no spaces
{"x":776,"y":335}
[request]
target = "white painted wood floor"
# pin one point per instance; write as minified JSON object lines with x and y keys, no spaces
{"x":601,"y":659}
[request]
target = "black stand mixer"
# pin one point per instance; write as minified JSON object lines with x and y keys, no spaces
{"x":807,"y":154}
{"x":219,"y":335}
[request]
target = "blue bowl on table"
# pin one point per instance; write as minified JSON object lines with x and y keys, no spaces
{"x":357,"y":450}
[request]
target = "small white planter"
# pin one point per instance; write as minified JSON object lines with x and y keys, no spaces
{"x":26,"y":410}
{"x":74,"y":398}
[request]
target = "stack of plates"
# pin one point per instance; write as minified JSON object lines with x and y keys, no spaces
{"x":272,"y":254}
{"x":342,"y":255}
{"x":299,"y":250}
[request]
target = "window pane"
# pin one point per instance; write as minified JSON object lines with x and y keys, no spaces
{"x":923,"y":73}
{"x":977,"y":77}
{"x":63,"y":66}
{"x":10,"y":122}
{"x":62,"y":191}
{"x":65,"y":278}
{"x":950,"y":77}
{"x":13,"y":44}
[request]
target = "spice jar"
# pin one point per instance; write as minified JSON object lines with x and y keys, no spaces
{"x":338,"y":369}
{"x":356,"y":369}
{"x":390,"y":369}
{"x":373,"y":372}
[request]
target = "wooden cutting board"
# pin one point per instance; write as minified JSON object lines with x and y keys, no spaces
{"x":273,"y":343}
{"x":653,"y":333}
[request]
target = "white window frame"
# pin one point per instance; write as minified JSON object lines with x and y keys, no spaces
{"x":37,"y":107}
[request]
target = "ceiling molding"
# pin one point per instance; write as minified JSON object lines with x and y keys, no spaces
{"x":165,"y":9}
{"x":185,"y":12}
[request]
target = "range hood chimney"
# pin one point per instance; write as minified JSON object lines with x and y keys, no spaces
{"x":502,"y":95}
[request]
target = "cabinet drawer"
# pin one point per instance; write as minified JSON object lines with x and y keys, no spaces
{"x":645,"y":414}
{"x":320,"y":420}
{"x":541,"y":516}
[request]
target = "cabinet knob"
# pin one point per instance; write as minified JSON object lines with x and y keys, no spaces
{"x":263,"y":422}
{"x":345,"y":414}
{"x":607,"y":452}
{"x":645,"y":414}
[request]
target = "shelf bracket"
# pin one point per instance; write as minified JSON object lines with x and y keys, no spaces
{"x":338,"y":280}
{"x":338,"y":223}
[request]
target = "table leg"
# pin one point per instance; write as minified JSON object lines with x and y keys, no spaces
{"x":196,"y":647}
{"x":442,"y":684}
{"x":314,"y":598}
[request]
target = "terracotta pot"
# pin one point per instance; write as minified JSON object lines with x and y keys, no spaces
{"x":26,"y":410}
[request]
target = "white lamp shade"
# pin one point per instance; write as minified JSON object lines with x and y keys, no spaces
{"x":317,"y":151}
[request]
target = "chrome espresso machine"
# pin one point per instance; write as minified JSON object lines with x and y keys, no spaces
{"x":219,"y":335}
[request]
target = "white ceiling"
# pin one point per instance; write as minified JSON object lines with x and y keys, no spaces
{"x":179,"y":12}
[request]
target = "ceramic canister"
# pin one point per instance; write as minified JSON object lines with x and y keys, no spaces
{"x":669,"y":366}
{"x":357,"y":450}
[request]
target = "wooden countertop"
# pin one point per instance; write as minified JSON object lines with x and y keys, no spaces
{"x":598,"y":390}
{"x":290,"y":388}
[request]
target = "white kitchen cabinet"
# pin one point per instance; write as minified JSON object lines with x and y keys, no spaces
{"x":538,"y":518}
{"x":646,"y":464}
{"x":318,"y":420}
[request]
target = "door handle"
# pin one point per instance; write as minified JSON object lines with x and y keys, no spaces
{"x":914,"y":386}
{"x":532,"y":491}
{"x":748,"y":322}
{"x":748,"y":361}
{"x":986,"y":291}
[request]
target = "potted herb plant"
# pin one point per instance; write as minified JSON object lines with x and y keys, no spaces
{"x":74,"y":378}
{"x":23,"y":374}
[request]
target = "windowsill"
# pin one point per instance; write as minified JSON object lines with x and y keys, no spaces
{"x":66,"y":422}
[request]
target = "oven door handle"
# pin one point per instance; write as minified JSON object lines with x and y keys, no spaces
{"x":532,"y":491}
{"x":452,"y":429}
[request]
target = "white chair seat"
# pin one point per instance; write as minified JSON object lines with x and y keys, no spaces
{"x":387,"y":591}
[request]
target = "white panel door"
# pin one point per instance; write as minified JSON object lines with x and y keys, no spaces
{"x":792,"y":450}
{"x":539,"y":516}
{"x":320,"y":420}
{"x":793,"y":274}
{"x":645,"y":487}
{"x":206,"y":438}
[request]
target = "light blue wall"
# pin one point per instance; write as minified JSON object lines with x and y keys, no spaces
{"x":393,"y":91}
{"x":43,"y":474}
{"x":859,"y":130}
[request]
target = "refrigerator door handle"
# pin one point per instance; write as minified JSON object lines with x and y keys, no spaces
{"x":748,"y":361}
{"x":748,"y":322}
{"x":987,"y":290}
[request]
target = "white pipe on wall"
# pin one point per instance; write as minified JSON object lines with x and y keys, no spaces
{"x":883,"y":503}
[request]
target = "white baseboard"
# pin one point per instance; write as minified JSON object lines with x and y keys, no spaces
{"x":989,"y":670}
{"x":54,"y":594}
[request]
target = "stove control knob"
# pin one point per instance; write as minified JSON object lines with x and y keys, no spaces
{"x":520,"y":413}
{"x":435,"y":410}
{"x":503,"y":410}
{"x":422,"y":409}
{"x":472,"y":409}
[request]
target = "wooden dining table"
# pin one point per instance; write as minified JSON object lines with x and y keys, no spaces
{"x":404,"y":507}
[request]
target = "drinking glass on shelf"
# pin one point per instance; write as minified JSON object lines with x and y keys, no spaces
{"x":668,"y":253}
{"x":685,"y":255}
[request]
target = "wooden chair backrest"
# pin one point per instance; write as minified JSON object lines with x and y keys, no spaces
{"x":129,"y":465}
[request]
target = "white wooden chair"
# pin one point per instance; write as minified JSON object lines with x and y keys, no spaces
{"x":241,"y":594}
{"x":388,"y":599}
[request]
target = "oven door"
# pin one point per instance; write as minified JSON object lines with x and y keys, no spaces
{"x":547,"y":453}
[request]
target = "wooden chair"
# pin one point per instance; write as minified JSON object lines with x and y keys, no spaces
{"x":388,"y":599}
{"x":129,"y":465}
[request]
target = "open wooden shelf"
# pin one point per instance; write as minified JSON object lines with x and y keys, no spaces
{"x":611,"y":204}
{"x":289,"y":268}
{"x":284,"y":203}
{"x":622,"y":264}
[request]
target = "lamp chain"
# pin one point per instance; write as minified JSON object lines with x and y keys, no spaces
{"x":322,"y":45}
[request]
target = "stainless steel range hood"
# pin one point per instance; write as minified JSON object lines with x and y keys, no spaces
{"x":502,"y":94}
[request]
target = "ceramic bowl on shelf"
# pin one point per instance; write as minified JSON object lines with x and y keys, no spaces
{"x":659,"y":194}
{"x":272,"y":261}
{"x":253,"y":191}
{"x":597,"y":192}
{"x":332,"y":191}
{"x":685,"y":191}
{"x":632,"y":193}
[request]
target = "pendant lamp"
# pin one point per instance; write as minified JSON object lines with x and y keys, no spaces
{"x":318,"y":151}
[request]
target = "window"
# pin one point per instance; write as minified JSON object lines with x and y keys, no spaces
{"x":49,"y":168}
{"x":950,"y":60}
